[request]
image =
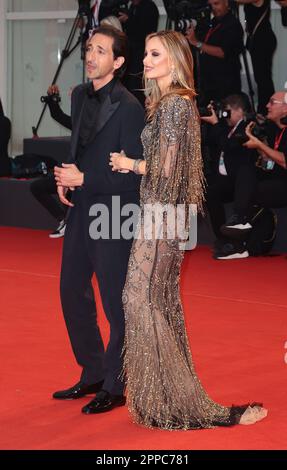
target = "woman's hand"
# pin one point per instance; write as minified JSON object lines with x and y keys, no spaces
{"x":120,"y":162}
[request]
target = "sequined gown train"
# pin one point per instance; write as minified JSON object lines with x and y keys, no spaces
{"x":163,"y":389}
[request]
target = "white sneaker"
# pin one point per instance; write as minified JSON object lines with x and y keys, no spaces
{"x":231,"y":251}
{"x":60,"y":230}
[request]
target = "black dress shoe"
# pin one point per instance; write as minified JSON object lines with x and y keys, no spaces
{"x":102,"y":402}
{"x":78,"y":391}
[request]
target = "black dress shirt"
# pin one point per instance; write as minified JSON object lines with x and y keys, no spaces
{"x":91,"y":111}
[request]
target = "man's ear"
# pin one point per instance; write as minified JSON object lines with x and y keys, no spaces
{"x":119,"y":61}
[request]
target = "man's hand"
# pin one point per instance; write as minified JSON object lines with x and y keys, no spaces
{"x":123,"y":17}
{"x":69,"y":175}
{"x":62,"y":196}
{"x":190,"y":36}
{"x":253,"y":142}
{"x":53,"y":90}
{"x":213,"y":119}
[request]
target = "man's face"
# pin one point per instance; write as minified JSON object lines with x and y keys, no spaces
{"x":236,"y":114}
{"x":219,"y":7}
{"x":277,"y":108}
{"x":100,"y":62}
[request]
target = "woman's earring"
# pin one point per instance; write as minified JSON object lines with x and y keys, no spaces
{"x":173,"y":76}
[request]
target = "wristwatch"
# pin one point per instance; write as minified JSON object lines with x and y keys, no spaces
{"x":199,"y":45}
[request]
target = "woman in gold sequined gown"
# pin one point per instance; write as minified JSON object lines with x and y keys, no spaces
{"x":163,"y":389}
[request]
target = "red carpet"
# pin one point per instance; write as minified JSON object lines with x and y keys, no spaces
{"x":236,"y":313}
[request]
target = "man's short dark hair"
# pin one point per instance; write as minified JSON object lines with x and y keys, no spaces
{"x":119,"y":47}
{"x":238,"y":100}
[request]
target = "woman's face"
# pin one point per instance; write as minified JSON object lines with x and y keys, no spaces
{"x":156,"y":61}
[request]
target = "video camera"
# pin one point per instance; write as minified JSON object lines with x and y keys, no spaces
{"x":188,"y":13}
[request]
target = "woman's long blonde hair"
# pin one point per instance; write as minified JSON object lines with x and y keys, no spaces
{"x":180,"y":56}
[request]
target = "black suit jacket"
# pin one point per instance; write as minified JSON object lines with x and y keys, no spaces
{"x":119,"y":126}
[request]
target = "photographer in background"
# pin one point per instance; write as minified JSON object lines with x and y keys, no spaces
{"x":140,"y":20}
{"x":283,"y":4}
{"x":220,"y":47}
{"x":260,"y":37}
{"x":44,"y":189}
{"x":5,"y":134}
{"x":232,"y":160}
{"x":268,"y":186}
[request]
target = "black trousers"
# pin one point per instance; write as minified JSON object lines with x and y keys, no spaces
{"x":237,"y":187}
{"x":262,"y":67}
{"x":247,"y":187}
{"x":82,"y":257}
{"x":44,"y":190}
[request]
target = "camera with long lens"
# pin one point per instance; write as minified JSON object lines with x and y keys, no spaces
{"x":188,"y":13}
{"x":220,"y":110}
{"x":53,"y":98}
{"x":184,"y":24}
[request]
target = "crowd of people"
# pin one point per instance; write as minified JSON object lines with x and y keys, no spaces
{"x":155,"y":158}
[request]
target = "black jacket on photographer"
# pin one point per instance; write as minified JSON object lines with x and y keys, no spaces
{"x":277,"y":139}
{"x":58,"y":114}
{"x":227,"y":143}
{"x":221,"y":77}
{"x":143,"y":20}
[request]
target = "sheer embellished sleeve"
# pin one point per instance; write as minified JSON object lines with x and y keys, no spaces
{"x":175,"y":165}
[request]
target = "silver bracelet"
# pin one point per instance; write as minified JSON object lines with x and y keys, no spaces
{"x":136,"y":166}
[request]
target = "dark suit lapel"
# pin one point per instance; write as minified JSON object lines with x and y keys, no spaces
{"x":76,"y":129}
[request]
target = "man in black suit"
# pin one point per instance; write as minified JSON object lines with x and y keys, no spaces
{"x":105,"y":118}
